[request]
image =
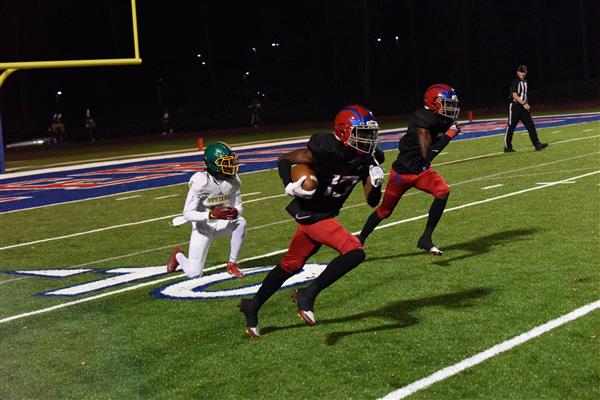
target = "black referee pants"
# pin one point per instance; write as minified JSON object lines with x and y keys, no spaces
{"x":516,"y":113}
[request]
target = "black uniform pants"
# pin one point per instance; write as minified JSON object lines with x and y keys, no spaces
{"x":516,"y":113}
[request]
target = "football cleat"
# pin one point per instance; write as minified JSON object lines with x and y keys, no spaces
{"x":247,"y":307}
{"x":172,"y":264}
{"x":305,"y":306}
{"x":540,"y":146}
{"x":234,"y":269}
{"x":427,"y":245}
{"x":509,"y":150}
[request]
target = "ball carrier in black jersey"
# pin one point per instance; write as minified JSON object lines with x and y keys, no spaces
{"x":340,"y":162}
{"x":430,"y":130}
{"x":519,"y":110}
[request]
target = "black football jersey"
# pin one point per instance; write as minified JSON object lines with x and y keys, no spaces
{"x":410,"y":160}
{"x":339,"y":169}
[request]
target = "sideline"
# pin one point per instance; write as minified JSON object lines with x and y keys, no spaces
{"x":176,"y":276}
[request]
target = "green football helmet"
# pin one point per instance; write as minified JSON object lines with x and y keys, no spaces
{"x":220,"y":159}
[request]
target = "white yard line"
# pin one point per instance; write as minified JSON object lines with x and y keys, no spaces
{"x":13,"y":280}
{"x":250,"y":194}
{"x":165,"y":197}
{"x":492,"y":187}
{"x":128,"y":197}
{"x":491,"y":352}
{"x":547,"y":183}
{"x":589,"y":130}
{"x":70,"y":303}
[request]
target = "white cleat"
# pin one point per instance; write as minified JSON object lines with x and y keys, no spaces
{"x":434,"y":251}
{"x":308,"y":317}
{"x":253,"y":331}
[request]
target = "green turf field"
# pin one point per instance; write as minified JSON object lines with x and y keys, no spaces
{"x":516,"y":256}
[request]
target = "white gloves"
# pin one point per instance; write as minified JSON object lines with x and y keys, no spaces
{"x":294,"y":189}
{"x":376,"y":174}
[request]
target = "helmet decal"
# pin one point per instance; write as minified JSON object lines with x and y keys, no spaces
{"x":442,"y":99}
{"x":356,"y":127}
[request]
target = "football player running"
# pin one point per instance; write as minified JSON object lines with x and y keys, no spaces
{"x":214,"y":208}
{"x":430,"y":130}
{"x":340,"y":161}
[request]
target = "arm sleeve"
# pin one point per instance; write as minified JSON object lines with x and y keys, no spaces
{"x":437,"y":147}
{"x":190,"y":210}
{"x":237,"y":198}
{"x":379,"y":156}
{"x":284,"y":167}
{"x":374,"y":196}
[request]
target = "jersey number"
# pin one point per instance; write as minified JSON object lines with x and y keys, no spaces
{"x":341,"y":185}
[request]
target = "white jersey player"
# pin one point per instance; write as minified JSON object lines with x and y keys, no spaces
{"x":214,"y":208}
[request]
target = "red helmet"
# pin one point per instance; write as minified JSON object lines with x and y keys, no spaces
{"x":442,"y":99}
{"x":356,"y":127}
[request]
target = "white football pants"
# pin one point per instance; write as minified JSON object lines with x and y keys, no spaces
{"x":201,"y":239}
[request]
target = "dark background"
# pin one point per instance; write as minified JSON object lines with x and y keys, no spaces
{"x":328,"y":56}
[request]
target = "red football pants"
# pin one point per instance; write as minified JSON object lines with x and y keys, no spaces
{"x":428,"y":181}
{"x":308,"y":238}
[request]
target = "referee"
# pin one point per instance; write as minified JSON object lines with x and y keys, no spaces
{"x":519,"y":110}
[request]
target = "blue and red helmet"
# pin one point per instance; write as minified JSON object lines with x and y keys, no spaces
{"x":442,"y":99}
{"x":356,"y":127}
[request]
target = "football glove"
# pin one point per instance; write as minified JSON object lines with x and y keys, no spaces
{"x":453,"y":131}
{"x":294,"y":189}
{"x":223,"y":212}
{"x":376,"y":174}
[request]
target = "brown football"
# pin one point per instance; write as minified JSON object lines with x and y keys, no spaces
{"x":300,"y":170}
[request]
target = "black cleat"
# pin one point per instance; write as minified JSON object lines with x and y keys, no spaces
{"x":247,"y":307}
{"x":510,"y":150}
{"x":305,"y":306}
{"x":540,"y":146}
{"x":427,"y":245}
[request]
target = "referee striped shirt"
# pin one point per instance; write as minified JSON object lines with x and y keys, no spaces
{"x":520,"y":88}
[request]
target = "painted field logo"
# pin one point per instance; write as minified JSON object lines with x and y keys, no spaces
{"x":190,"y":289}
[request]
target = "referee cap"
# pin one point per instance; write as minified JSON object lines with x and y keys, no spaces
{"x":522,"y":68}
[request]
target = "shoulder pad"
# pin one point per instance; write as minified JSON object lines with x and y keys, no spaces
{"x":322,"y":145}
{"x":424,"y":118}
{"x":198,"y":181}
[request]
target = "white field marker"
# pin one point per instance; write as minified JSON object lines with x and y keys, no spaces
{"x":129,"y":197}
{"x":553,"y":183}
{"x":491,"y":352}
{"x":250,"y":194}
{"x":493,"y":186}
{"x":165,"y":197}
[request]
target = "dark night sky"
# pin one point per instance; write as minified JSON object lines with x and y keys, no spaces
{"x":318,"y":67}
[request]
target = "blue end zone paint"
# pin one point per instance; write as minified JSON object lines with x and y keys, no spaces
{"x":160,"y":173}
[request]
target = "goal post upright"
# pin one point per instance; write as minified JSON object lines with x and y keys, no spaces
{"x":9,"y":68}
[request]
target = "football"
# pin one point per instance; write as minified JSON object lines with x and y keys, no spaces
{"x":300,"y":170}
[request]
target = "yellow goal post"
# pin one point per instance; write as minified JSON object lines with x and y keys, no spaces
{"x":9,"y":67}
